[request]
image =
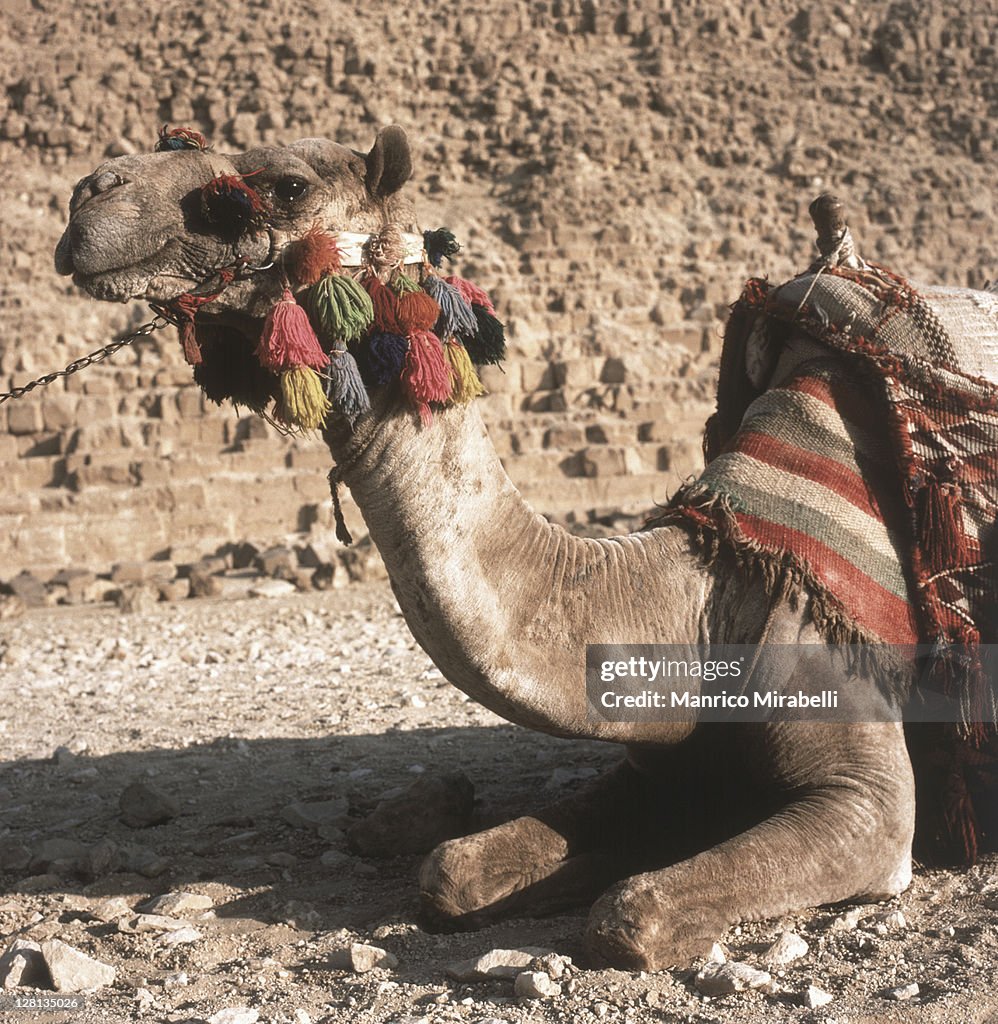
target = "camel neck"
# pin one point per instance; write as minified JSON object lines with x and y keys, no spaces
{"x":503,"y":601}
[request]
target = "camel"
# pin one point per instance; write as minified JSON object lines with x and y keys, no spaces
{"x":700,"y":827}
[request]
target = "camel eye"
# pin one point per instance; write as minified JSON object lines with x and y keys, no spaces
{"x":291,"y":188}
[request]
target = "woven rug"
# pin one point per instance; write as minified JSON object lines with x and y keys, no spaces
{"x":868,"y":474}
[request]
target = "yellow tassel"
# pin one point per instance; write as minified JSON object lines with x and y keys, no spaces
{"x":304,"y":402}
{"x":466,"y":383}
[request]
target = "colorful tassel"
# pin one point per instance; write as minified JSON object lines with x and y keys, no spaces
{"x":466,"y":383}
{"x":440,"y":244}
{"x":489,"y":342}
{"x":456,"y":316}
{"x":172,"y":139}
{"x":231,"y":205}
{"x":385,"y":304}
{"x":345,"y":388}
{"x":471,"y":293}
{"x":341,"y":309}
{"x":426,"y":377}
{"x":402,"y":283}
{"x":381,"y":359}
{"x":288,"y":338}
{"x":313,"y":256}
{"x":303,"y":401}
{"x":417,"y":312}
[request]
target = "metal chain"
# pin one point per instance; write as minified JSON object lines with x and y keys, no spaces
{"x":157,"y":323}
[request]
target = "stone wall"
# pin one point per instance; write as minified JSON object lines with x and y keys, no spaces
{"x":616,"y":170}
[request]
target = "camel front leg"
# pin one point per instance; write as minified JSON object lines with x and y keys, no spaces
{"x":846,"y":836}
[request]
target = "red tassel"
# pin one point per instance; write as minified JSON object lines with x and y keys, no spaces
{"x":942,"y":538}
{"x":426,"y":377}
{"x":288,"y":339}
{"x":386,"y":306}
{"x":417,"y":312}
{"x":312,"y":257}
{"x":189,"y":341}
{"x":472,"y":294}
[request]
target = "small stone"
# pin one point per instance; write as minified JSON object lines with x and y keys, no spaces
{"x":889,"y":923}
{"x":848,"y":921}
{"x":183,"y":936}
{"x":787,"y":948}
{"x":174,"y":590}
{"x":73,"y":971}
{"x":719,"y":979}
{"x":554,"y":965}
{"x":815,"y":997}
{"x":111,"y":909}
{"x":903,"y":992}
{"x":315,"y":814}
{"x":102,"y":859}
{"x":151,"y":923}
{"x":235,"y":1015}
{"x":335,"y":859}
{"x":535,"y":985}
{"x":361,"y":958}
{"x":177,"y":978}
{"x":497,"y":963}
{"x":23,"y":966}
{"x":143,"y":805}
{"x":136,"y":598}
{"x":302,"y":1017}
{"x":272,"y":588}
{"x":173,"y":903}
{"x":717,"y":954}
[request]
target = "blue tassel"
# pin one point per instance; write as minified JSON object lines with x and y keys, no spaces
{"x":344,"y":388}
{"x":456,"y":317}
{"x":382,"y":357}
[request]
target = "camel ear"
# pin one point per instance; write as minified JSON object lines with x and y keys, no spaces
{"x":389,"y":164}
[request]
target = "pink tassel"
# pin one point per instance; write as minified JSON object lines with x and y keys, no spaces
{"x":472,"y":294}
{"x":426,"y":377}
{"x":288,"y":338}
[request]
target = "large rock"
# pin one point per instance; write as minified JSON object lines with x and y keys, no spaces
{"x":23,"y":966}
{"x":429,"y":811}
{"x":73,"y":971}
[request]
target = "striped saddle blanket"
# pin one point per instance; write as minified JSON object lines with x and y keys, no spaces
{"x":865,"y":468}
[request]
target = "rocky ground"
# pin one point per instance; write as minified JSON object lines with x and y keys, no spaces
{"x":258,"y":732}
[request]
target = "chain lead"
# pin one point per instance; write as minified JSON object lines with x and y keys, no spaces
{"x":157,"y":323}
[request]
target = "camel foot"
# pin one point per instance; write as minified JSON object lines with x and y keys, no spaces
{"x":519,"y":867}
{"x":632,"y":928}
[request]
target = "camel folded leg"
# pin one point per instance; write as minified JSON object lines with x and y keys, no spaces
{"x":565,"y":855}
{"x":843,"y":837}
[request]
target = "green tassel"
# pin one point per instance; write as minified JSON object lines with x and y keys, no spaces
{"x":341,"y":310}
{"x":402,"y":283}
{"x":489,"y":344}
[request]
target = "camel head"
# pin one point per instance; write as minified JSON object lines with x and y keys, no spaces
{"x":294,"y":273}
{"x":139,"y":226}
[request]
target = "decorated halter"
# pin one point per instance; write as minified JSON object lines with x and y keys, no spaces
{"x":371,"y":310}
